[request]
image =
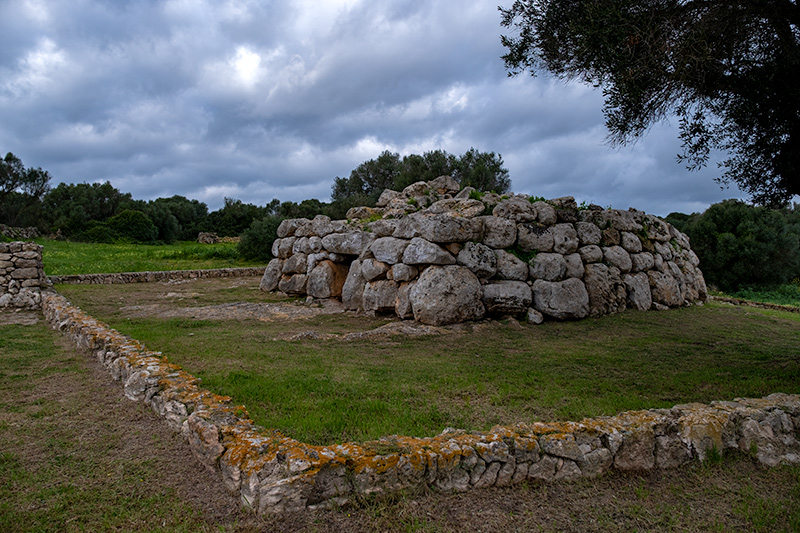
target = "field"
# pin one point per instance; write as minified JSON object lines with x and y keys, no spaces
{"x":62,"y":257}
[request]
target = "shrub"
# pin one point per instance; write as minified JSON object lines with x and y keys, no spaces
{"x":133,"y":225}
{"x":256,"y":243}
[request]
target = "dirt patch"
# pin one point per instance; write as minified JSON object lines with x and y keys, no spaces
{"x":19,"y":317}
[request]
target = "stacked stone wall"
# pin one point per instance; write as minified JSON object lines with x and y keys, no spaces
{"x":22,"y":276}
{"x":441,"y":255}
{"x":147,"y":277}
{"x":273,"y":473}
{"x":26,"y":234}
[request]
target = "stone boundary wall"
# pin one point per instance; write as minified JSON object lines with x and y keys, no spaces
{"x":441,"y":255}
{"x":21,"y":275}
{"x":274,"y":473}
{"x":19,"y":233}
{"x":145,"y":277}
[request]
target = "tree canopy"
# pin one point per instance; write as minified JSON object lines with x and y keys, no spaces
{"x":730,"y":70}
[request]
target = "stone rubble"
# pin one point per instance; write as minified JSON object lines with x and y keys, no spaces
{"x":22,"y":276}
{"x":440,"y":256}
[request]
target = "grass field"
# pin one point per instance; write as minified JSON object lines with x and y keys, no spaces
{"x":62,"y":257}
{"x":325,"y":391}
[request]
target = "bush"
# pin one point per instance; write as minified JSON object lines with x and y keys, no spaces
{"x":133,"y":225}
{"x":743,"y":246}
{"x":256,"y":243}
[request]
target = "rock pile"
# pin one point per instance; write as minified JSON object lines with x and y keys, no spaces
{"x":21,"y":275}
{"x":442,"y":255}
{"x":28,"y":233}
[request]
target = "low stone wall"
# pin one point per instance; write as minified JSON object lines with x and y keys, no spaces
{"x":21,"y":275}
{"x":145,"y":277}
{"x":273,"y":473}
{"x":441,"y":255}
{"x":26,"y":234}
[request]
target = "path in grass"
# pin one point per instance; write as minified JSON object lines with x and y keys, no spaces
{"x":324,"y":391}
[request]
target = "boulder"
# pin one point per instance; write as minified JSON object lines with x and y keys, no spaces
{"x":326,"y":280}
{"x":630,"y":242}
{"x":616,"y":256}
{"x":379,"y":296}
{"x":288,"y":226}
{"x":607,"y":293}
{"x":479,"y":258}
{"x":565,"y":238}
{"x":588,"y":233}
{"x":638,"y":287}
{"x":457,"y":206}
{"x":534,"y":237}
{"x":575,"y":267}
{"x":285,"y":247}
{"x":499,"y":232}
{"x":444,"y":185}
{"x":642,"y":262}
{"x":296,"y":264}
{"x":373,"y":269}
{"x":447,"y":295}
{"x":272,"y":275}
{"x":545,"y":213}
{"x":403,"y":307}
{"x":388,"y":249}
{"x":548,"y":266}
{"x":591,"y":253}
{"x":387,"y":196}
{"x":363,"y":213}
{"x":383,"y":227}
{"x":402,"y":272}
{"x":445,"y":228}
{"x":515,"y":208}
{"x":293,"y":284}
{"x":510,"y":267}
{"x":507,"y":297}
{"x":353,"y":288}
{"x":561,"y":299}
{"x":421,"y":251}
{"x":352,"y":243}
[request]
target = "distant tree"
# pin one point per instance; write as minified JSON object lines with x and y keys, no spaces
{"x":729,"y":69}
{"x":483,"y":171}
{"x":233,"y":218}
{"x":70,"y":207}
{"x":369,"y":179}
{"x":191,"y":216}
{"x":21,"y":192}
{"x":256,"y":242}
{"x":741,"y":246}
{"x":134,"y":226}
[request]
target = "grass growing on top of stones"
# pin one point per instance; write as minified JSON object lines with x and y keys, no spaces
{"x":329,"y":390}
{"x":63,"y":258}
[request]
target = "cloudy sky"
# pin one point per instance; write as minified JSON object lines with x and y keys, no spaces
{"x":267,"y":99}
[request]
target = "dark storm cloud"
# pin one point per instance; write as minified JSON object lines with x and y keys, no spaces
{"x":258,"y":99}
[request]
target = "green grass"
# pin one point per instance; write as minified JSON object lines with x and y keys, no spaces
{"x":324,"y":391}
{"x":786,"y":294}
{"x":63,"y":258}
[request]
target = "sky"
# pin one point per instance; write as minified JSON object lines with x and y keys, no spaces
{"x":256,"y":100}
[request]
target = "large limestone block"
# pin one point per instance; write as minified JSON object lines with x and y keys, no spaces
{"x":565,"y":239}
{"x":548,"y":266}
{"x":561,"y":299}
{"x":616,"y":256}
{"x":373,"y":269}
{"x":322,"y":225}
{"x":479,"y":258}
{"x":607,"y":293}
{"x":288,"y":226}
{"x":511,"y":267}
{"x":380,"y":296}
{"x":516,"y":208}
{"x":630,"y":242}
{"x":444,"y":185}
{"x":447,"y":295}
{"x":403,"y":307}
{"x":614,"y":218}
{"x":272,"y":275}
{"x":664,"y":289}
{"x":387,"y":196}
{"x":285,"y":247}
{"x":591,"y":253}
{"x":296,"y":264}
{"x":326,"y":280}
{"x":507,"y":297}
{"x":457,"y":206}
{"x":352,"y":243}
{"x":657,"y":229}
{"x":588,"y":233}
{"x":499,"y":232}
{"x":445,"y":228}
{"x":638,"y":287}
{"x":353,"y":288}
{"x":293,"y":284}
{"x":421,"y":251}
{"x":389,"y":249}
{"x":534,"y":237}
{"x":383,"y":227}
{"x":545,"y":213}
{"x":642,"y":262}
{"x":575,"y":267}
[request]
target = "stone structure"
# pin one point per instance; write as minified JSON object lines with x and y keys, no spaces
{"x":147,"y":277}
{"x":274,"y":473}
{"x":442,"y":255}
{"x":11,"y":232}
{"x":22,"y":276}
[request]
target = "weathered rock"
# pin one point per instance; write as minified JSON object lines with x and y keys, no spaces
{"x":588,"y":233}
{"x":389,"y":249}
{"x":461,"y":207}
{"x":353,"y":288}
{"x":574,"y":265}
{"x":288,"y":226}
{"x":403,"y":307}
{"x":565,"y":239}
{"x":510,"y":267}
{"x":444,"y":185}
{"x":272,"y":275}
{"x":507,"y":297}
{"x":387,"y":196}
{"x":293,"y":284}
{"x":534,"y":237}
{"x":664,"y":289}
{"x":642,"y":262}
{"x":383,"y":227}
{"x":533,"y":316}
{"x":630,"y":242}
{"x":421,"y":251}
{"x":416,"y":190}
{"x":285,"y":247}
{"x":606,"y":290}
{"x":616,"y":256}
{"x":446,"y":295}
{"x":326,"y":280}
{"x":380,"y":296}
{"x":373,"y":269}
{"x":363,"y":213}
{"x":591,"y":253}
{"x":445,"y":228}
{"x":611,"y":237}
{"x":352,"y":243}
{"x":479,"y":258}
{"x":561,"y":299}
{"x":499,"y":232}
{"x":638,"y":287}
{"x":548,"y":266}
{"x":297,"y":263}
{"x":402,"y":272}
{"x":517,"y":209}
{"x":545,"y":213}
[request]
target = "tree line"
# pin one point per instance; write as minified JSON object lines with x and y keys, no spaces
{"x":99,"y":212}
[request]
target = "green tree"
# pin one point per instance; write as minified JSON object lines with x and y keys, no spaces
{"x":70,"y":207}
{"x":729,"y":70}
{"x":233,"y":218}
{"x":256,"y":242}
{"x":190,"y":215}
{"x":21,"y":191}
{"x":133,"y":225}
{"x":741,"y":246}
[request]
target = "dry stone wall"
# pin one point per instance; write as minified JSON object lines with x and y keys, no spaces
{"x":441,"y":255}
{"x":274,"y":473}
{"x":147,"y":277}
{"x":22,"y":276}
